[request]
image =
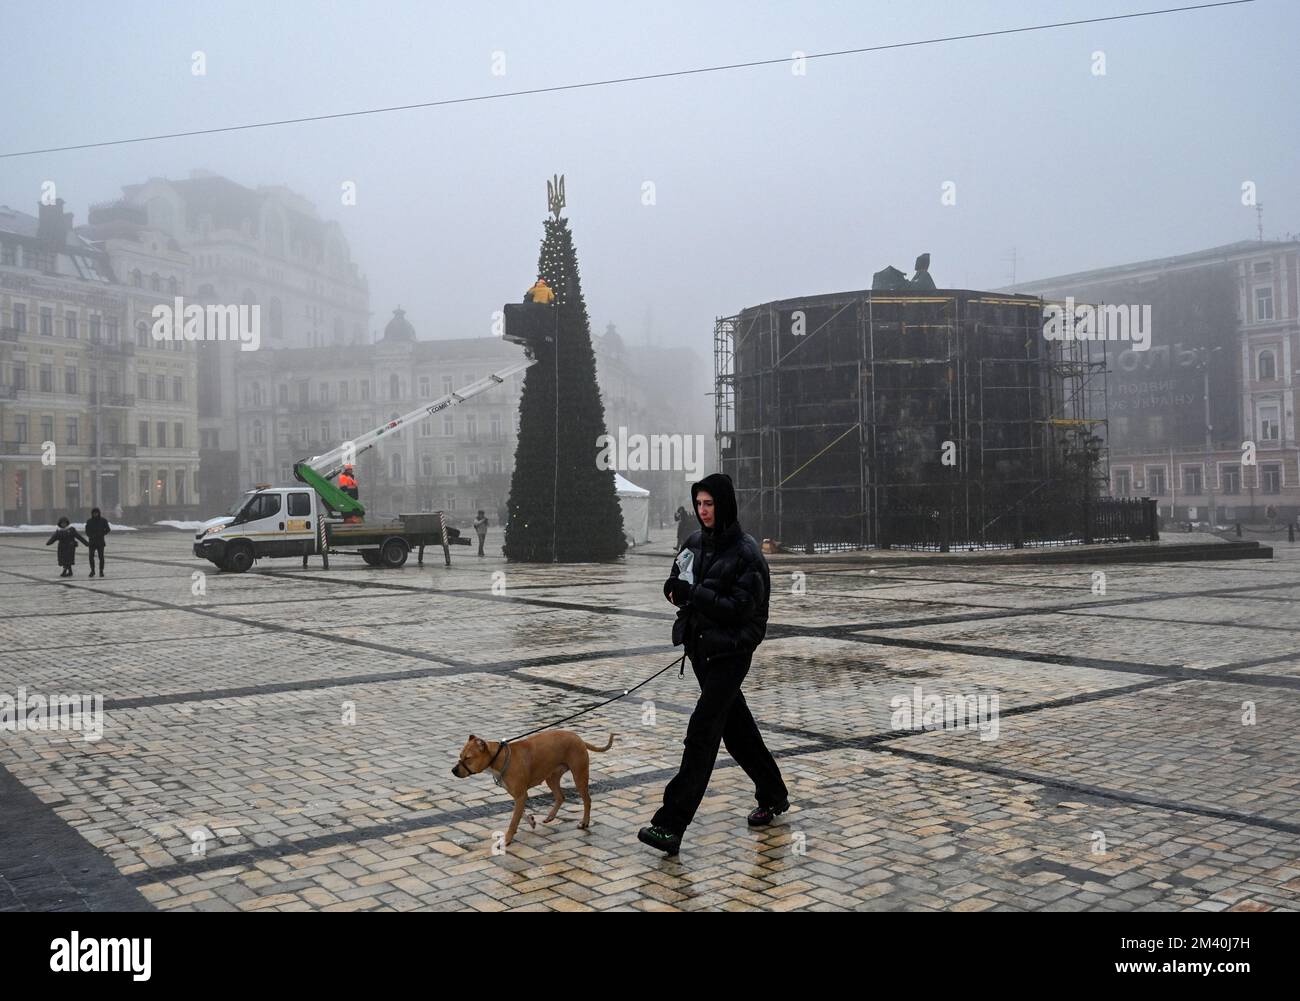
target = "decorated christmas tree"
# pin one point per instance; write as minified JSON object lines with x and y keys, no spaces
{"x":563,"y":507}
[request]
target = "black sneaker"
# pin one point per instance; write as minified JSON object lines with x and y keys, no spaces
{"x":764,"y":815}
{"x":662,"y":838}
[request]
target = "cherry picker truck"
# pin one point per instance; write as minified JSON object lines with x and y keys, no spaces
{"x":319,"y":519}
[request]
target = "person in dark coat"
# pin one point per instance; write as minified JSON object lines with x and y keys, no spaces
{"x":96,"y":528}
{"x":480,"y":528}
{"x":720,"y":585}
{"x":67,"y":537}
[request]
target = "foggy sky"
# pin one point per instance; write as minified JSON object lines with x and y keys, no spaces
{"x":768,"y":184}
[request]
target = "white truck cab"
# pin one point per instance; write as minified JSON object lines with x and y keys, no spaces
{"x":266,"y":521}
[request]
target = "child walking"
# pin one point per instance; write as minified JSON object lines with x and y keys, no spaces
{"x":67,"y":537}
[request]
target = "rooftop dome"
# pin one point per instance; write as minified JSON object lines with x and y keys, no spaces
{"x":399,"y":328}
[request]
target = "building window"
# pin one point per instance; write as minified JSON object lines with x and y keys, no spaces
{"x":1192,"y":480}
{"x":142,"y":334}
{"x":20,"y":429}
{"x":426,"y":428}
{"x":20,"y":376}
{"x":47,"y":378}
{"x":448,"y":426}
{"x":20,"y":318}
{"x":110,"y":329}
{"x":395,"y":465}
{"x":1123,"y":482}
{"x":282,"y":394}
{"x":137,"y":279}
{"x":144,"y":433}
{"x":1271,"y":477}
{"x":178,"y":496}
{"x":426,"y":466}
{"x":471,"y":427}
{"x":7,"y":255}
{"x":1266,"y":366}
{"x":1155,"y":481}
{"x":494,"y":424}
{"x":72,"y":430}
{"x":324,"y":431}
{"x":1230,"y":479}
{"x":178,"y":435}
{"x":449,"y":465}
{"x":142,"y":387}
{"x":94,"y":322}
{"x":160,"y":387}
{"x":394,"y":388}
{"x":343,"y":392}
{"x":1263,"y":303}
{"x":47,"y":322}
{"x":472,"y":462}
{"x":155,"y":282}
{"x":47,"y":429}
{"x":1269,"y":425}
{"x":178,"y":389}
{"x":447,"y":386}
{"x":70,"y":380}
{"x":365,"y":389}
{"x":259,"y":433}
{"x":70,"y":328}
{"x":424,"y":387}
{"x":162,"y":434}
{"x":324,"y":392}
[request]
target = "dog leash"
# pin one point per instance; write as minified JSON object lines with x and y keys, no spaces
{"x":626,"y":692}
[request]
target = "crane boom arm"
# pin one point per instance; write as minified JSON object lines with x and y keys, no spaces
{"x":319,"y":470}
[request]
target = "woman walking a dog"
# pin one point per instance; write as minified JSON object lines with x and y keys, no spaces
{"x":720,"y":585}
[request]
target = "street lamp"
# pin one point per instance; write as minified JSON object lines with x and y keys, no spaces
{"x":1209,"y":428}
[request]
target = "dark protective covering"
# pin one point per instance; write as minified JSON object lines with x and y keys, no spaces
{"x":892,"y":419}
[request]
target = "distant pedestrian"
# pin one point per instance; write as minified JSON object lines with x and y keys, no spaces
{"x":684,"y":527}
{"x":67,"y":537}
{"x":480,"y":526}
{"x":96,"y":528}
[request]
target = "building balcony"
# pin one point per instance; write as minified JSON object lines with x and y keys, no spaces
{"x":112,"y":399}
{"x":104,"y":349}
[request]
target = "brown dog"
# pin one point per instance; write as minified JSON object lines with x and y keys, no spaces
{"x":520,"y":765}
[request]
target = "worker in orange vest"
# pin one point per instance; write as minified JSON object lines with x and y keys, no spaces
{"x":348,"y":484}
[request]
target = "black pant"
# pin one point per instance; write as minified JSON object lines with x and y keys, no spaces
{"x":480,"y":543}
{"x":93,"y":551}
{"x":721,"y":715}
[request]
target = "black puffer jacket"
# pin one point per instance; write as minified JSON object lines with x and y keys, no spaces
{"x":726,"y":613}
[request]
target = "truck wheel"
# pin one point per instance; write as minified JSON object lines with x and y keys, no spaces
{"x":371,"y":556}
{"x":239,"y":557}
{"x":394,"y":552}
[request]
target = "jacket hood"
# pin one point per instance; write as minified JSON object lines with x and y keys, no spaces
{"x":719,"y":487}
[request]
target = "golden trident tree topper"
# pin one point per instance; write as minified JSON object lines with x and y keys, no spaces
{"x":555,"y":194}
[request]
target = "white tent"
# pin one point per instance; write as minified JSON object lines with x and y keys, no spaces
{"x":635,"y":502}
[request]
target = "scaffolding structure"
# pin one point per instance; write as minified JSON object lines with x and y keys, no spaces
{"x":913,"y":420}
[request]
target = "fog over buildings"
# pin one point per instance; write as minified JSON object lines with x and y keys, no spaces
{"x":1011,"y":159}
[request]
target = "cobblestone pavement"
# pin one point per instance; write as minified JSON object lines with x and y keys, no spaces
{"x":284,"y":739}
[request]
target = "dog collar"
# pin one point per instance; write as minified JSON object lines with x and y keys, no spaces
{"x":504,"y":765}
